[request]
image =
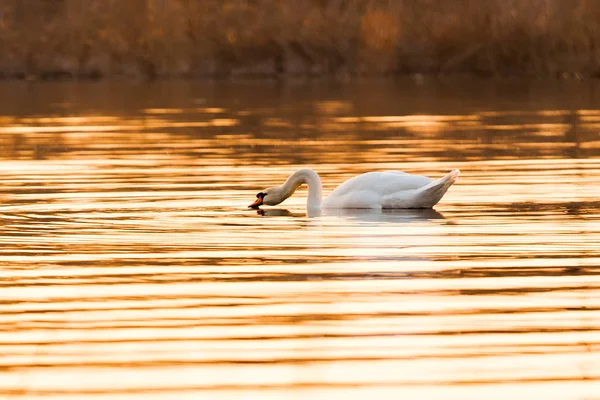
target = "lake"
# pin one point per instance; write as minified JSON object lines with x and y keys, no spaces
{"x":131,"y":267}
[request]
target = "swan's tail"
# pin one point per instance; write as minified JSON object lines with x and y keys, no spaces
{"x":432,"y":193}
{"x":424,"y":197}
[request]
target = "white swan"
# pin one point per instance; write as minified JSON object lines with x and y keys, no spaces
{"x":376,"y":190}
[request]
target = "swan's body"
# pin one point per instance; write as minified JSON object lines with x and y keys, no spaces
{"x":375,"y":190}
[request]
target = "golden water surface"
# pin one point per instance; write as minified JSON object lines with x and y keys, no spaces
{"x":130,"y":267}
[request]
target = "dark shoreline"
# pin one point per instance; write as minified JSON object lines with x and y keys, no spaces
{"x":418,"y":77}
{"x":336,"y":39}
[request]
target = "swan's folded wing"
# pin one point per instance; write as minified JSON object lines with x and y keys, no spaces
{"x":423,"y":197}
{"x":381,"y":183}
{"x":368,"y":190}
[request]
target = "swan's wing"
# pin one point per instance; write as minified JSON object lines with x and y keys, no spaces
{"x":423,"y":197}
{"x":368,"y":190}
{"x":382,"y":183}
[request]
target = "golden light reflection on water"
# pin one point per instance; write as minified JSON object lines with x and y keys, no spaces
{"x":131,"y":268}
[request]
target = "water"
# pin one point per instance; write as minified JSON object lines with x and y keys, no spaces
{"x":132,"y":269}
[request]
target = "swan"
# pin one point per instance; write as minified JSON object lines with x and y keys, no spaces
{"x":374,"y":190}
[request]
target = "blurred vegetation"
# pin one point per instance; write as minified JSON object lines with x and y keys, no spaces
{"x":222,"y":38}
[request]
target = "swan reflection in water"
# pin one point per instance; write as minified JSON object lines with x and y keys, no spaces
{"x":278,"y":212}
{"x":367,"y":215}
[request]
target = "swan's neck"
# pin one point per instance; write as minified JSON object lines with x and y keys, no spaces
{"x":311,"y":178}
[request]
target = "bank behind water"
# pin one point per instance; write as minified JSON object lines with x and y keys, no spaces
{"x":269,"y":38}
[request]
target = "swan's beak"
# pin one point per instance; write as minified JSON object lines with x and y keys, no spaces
{"x":256,"y":203}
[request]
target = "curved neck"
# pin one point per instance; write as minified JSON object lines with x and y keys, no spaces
{"x":311,"y":178}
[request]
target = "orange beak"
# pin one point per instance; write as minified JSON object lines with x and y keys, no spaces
{"x":256,"y":203}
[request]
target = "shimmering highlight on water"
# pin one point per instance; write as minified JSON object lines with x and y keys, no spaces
{"x":131,"y":267}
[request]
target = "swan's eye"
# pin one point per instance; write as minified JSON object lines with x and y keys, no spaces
{"x":261,"y":195}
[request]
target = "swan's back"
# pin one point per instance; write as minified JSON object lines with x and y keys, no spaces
{"x":366,"y":190}
{"x":389,"y":189}
{"x":383,"y":183}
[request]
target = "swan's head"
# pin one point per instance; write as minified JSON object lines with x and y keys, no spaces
{"x":269,"y":197}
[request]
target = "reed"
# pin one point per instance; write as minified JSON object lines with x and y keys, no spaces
{"x":214,"y":38}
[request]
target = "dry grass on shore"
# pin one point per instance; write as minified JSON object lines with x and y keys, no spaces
{"x":162,"y":38}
